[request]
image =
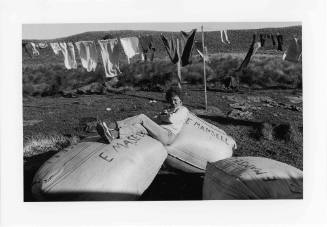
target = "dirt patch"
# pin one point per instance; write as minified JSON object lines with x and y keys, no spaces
{"x":31,"y":122}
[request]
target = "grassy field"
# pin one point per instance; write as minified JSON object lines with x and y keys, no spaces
{"x":271,"y":90}
{"x":62,"y":116}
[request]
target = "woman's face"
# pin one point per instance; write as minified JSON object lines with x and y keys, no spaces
{"x":175,"y":101}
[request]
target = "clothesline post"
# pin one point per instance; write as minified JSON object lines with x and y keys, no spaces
{"x":179,"y":66}
{"x":204,"y":70}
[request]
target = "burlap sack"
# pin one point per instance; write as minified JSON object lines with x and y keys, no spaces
{"x":198,"y":143}
{"x":95,"y":171}
{"x":252,"y":178}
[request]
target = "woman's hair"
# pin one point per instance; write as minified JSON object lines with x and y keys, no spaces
{"x":173,"y":91}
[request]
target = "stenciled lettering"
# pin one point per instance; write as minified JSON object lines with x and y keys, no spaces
{"x":209,"y":131}
{"x":188,"y":121}
{"x":197,"y":124}
{"x":118,"y":146}
{"x":132,"y":139}
{"x":246,"y":164}
{"x":105,"y":157}
{"x":126,"y":142}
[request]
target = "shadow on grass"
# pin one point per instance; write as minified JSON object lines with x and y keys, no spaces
{"x":175,"y":186}
{"x":231,"y":121}
{"x":31,"y":166}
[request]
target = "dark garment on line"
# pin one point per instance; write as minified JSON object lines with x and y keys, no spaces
{"x":24,"y":45}
{"x":248,"y":55}
{"x":280,"y":42}
{"x":262,"y":39}
{"x":171,"y":48}
{"x":273,"y":40}
{"x":187,"y":46}
{"x":152,"y":50}
{"x":147,"y":47}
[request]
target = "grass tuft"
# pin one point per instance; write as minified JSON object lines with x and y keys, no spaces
{"x":40,"y":143}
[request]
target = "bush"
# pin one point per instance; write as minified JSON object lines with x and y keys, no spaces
{"x":262,"y":71}
{"x":41,"y":143}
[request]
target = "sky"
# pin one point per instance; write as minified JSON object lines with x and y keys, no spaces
{"x":52,"y":31}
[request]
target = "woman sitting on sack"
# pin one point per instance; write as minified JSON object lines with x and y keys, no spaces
{"x":172,"y":120}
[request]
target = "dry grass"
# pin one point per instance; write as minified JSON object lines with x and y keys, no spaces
{"x":40,"y":143}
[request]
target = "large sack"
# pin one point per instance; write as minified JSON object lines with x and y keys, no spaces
{"x":252,"y":178}
{"x":198,"y":143}
{"x":122,"y":170}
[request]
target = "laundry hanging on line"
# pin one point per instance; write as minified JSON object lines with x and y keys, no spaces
{"x":224,"y":36}
{"x":88,"y":54}
{"x":146,"y":46}
{"x":279,"y":38}
{"x":273,"y":40}
{"x":24,"y":46}
{"x":130,"y":46}
{"x":187,"y":47}
{"x":264,"y":37}
{"x":55,"y":47}
{"x":187,"y":42}
{"x":171,"y":48}
{"x":252,"y":50}
{"x":42,"y":45}
{"x":199,"y":48}
{"x":67,"y":49}
{"x":110,"y":56}
{"x":34,"y":50}
{"x":294,"y":51}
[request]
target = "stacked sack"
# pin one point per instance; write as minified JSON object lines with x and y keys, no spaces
{"x":252,"y":178}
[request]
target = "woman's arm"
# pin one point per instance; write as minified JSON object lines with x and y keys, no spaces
{"x":178,"y":116}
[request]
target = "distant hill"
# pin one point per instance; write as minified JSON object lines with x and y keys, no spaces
{"x":240,"y":41}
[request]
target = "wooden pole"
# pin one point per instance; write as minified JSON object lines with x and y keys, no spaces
{"x":204,"y":70}
{"x":179,"y":66}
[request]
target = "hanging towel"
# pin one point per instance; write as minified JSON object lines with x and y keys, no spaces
{"x":171,"y":48}
{"x":279,"y":42}
{"x":224,"y":36}
{"x":294,"y":51}
{"x":187,"y":46}
{"x":88,"y":54}
{"x":67,"y":49}
{"x":55,"y":47}
{"x":35,"y":51}
{"x":42,"y":45}
{"x":130,"y":46}
{"x":110,"y":56}
{"x":252,"y":50}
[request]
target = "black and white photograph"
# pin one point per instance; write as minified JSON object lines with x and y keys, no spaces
{"x":169,"y":113}
{"x":163,"y":111}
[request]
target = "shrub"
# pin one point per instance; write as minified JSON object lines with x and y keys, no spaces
{"x":262,"y":71}
{"x":39,"y":144}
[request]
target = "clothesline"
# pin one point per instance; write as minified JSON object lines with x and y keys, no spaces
{"x":143,"y":45}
